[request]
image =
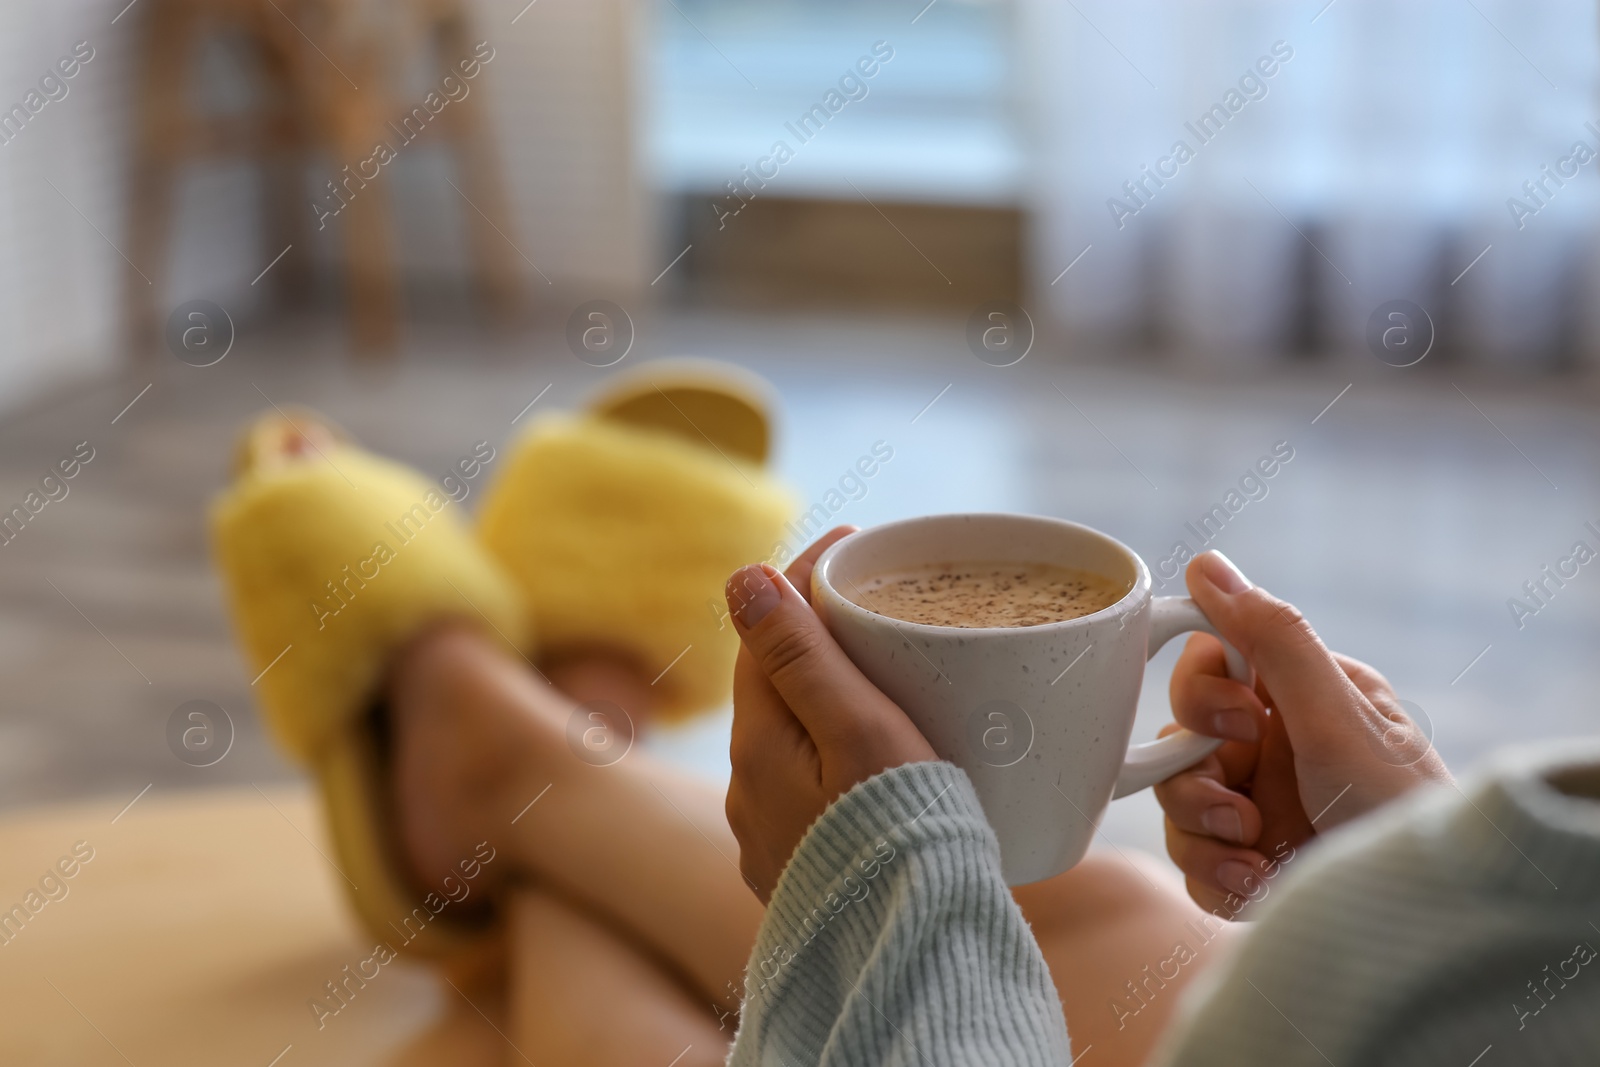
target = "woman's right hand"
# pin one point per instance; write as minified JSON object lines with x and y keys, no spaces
{"x":807,"y":724}
{"x":1320,"y":740}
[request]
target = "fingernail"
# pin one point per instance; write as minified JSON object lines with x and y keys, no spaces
{"x":1235,"y":724}
{"x":1220,"y":572}
{"x":751,"y":595}
{"x":1223,"y":821}
{"x":1237,"y":877}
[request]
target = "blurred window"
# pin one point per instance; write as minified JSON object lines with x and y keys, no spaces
{"x":936,"y":124}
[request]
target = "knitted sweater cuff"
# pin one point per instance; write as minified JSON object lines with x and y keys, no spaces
{"x":892,"y":907}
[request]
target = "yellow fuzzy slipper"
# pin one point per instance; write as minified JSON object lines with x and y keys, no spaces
{"x":333,"y":559}
{"x":622,"y":523}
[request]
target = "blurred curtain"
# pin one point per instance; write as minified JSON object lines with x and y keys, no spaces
{"x":59,"y":183}
{"x":1375,"y":163}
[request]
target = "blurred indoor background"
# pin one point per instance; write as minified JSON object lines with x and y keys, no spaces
{"x":1178,"y":314}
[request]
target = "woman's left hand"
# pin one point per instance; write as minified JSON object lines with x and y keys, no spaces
{"x":1321,"y":739}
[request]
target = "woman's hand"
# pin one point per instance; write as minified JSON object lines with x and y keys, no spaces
{"x":807,"y":725}
{"x":1320,"y":740}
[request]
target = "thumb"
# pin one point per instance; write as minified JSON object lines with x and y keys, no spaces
{"x":1323,"y":711}
{"x":834,"y":701}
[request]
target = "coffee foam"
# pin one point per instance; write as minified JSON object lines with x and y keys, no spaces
{"x":970,"y":595}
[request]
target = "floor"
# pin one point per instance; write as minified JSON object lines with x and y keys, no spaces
{"x":1416,"y":504}
{"x":199,"y":934}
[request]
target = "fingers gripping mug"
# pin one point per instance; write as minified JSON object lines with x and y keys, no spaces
{"x":1039,"y":716}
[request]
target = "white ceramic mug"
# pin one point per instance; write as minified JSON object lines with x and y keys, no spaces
{"x":1038,"y":716}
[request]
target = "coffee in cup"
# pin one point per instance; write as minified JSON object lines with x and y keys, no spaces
{"x":987,"y":594}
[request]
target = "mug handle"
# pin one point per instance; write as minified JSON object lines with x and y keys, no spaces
{"x":1158,"y":760}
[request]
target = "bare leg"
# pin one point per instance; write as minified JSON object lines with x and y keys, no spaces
{"x":635,"y":870}
{"x":478,"y":738}
{"x":1109,"y":929}
{"x":636,"y":898}
{"x":573,"y":978}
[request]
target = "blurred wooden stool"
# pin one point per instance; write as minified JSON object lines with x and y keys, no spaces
{"x":197,"y":934}
{"x":330,"y":68}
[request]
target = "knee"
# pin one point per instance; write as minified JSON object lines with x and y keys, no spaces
{"x":1102,"y":888}
{"x":704,"y":1056}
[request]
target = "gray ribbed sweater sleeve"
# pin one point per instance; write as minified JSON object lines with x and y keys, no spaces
{"x":892,"y":940}
{"x":1459,"y":927}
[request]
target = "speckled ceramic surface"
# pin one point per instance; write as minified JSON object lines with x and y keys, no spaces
{"x":1038,"y":716}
